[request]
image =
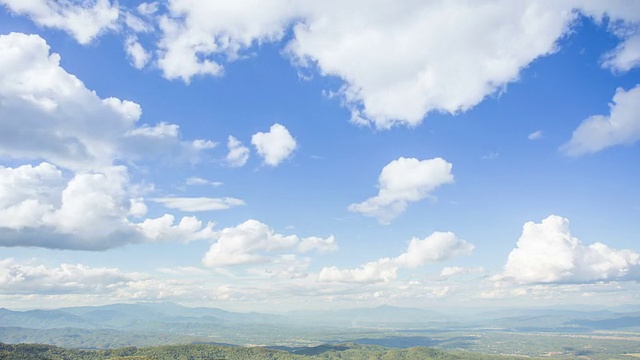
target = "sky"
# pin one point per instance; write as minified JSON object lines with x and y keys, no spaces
{"x":284,"y":155}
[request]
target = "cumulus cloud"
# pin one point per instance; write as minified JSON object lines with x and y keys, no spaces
{"x":274,"y":146}
{"x":138,"y":55}
{"x":36,"y":282}
{"x":402,"y":181}
{"x":83,"y":20}
{"x":398,"y":85}
{"x":197,"y":35}
{"x":254,"y":242}
{"x":547,"y":253}
{"x":625,"y":56}
{"x":439,"y":246}
{"x":48,"y":114}
{"x":29,"y":278}
{"x":315,"y":243}
{"x":624,"y":22}
{"x":381,"y":270}
{"x":598,"y":132}
{"x":165,"y":228}
{"x":76,"y":198}
{"x":39,"y":206}
{"x":192,"y":204}
{"x":441,"y":64}
{"x":238,"y":153}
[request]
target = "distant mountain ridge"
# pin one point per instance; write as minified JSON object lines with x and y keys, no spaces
{"x":127,"y":316}
{"x":143,"y":324}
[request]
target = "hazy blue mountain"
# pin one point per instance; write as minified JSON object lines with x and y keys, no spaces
{"x":138,"y":316}
{"x":44,"y":319}
{"x":380,"y":315}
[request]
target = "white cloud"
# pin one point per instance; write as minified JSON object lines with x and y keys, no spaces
{"x":194,"y":180}
{"x":165,"y":228}
{"x":548,"y":253}
{"x":274,"y":146}
{"x":28,"y":278}
{"x":318,"y":244}
{"x":148,"y":8}
{"x":402,"y":181}
{"x":620,"y":127}
{"x":40,"y":206}
{"x":382,"y":270}
{"x":238,"y":153}
{"x":84,"y":20}
{"x":49,"y":114}
{"x":451,"y":271}
{"x":254,"y":242}
{"x":440,"y":63}
{"x":439,"y":246}
{"x":136,"y":23}
{"x":625,"y":56}
{"x":197,"y":35}
{"x":80,"y":284}
{"x":536,"y":135}
{"x":624,"y":22}
{"x":201,"y":144}
{"x":192,"y":204}
{"x":138,"y":55}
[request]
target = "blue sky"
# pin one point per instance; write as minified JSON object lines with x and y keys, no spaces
{"x":306,"y":155}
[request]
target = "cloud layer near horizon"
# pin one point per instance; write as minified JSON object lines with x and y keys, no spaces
{"x":438,"y":246}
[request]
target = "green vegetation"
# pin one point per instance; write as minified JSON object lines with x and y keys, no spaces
{"x":126,"y":331}
{"x":213,"y":352}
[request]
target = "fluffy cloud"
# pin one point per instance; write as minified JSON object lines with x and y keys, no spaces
{"x":238,"y":153}
{"x":138,"y":55}
{"x":274,"y":146}
{"x":192,"y":204}
{"x":625,"y":56}
{"x":197,"y":35}
{"x":620,"y":127}
{"x":81,"y":284}
{"x":83,"y":20}
{"x":254,"y":242}
{"x":382,"y":270}
{"x":29,"y":278}
{"x":403,"y":181}
{"x":165,"y":228}
{"x":76,"y":198}
{"x":48,"y":114}
{"x":548,"y":253}
{"x":624,"y":22}
{"x":39,"y":206}
{"x":439,"y":246}
{"x":441,"y":64}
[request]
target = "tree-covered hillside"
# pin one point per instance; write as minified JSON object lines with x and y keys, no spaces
{"x":213,"y":352}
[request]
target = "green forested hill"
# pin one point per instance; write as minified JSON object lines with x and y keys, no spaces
{"x":212,"y":352}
